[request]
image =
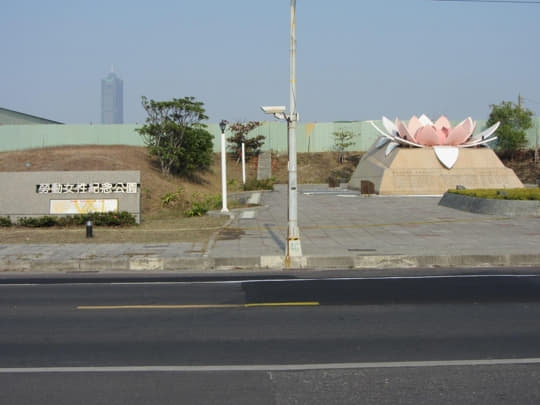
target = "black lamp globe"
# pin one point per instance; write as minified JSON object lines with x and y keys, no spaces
{"x":223,"y":125}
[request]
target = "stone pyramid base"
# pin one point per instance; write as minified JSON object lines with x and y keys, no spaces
{"x":417,"y":171}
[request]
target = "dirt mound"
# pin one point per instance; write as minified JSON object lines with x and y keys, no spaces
{"x":153,"y":184}
{"x":526,"y":169}
{"x":316,"y":167}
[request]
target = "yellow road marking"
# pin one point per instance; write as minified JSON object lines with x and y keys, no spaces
{"x":198,"y":306}
{"x":191,"y":306}
{"x":283,"y":304}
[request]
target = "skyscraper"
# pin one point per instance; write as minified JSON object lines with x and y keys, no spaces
{"x":112,"y":99}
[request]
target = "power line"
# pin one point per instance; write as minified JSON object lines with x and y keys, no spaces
{"x":494,"y":1}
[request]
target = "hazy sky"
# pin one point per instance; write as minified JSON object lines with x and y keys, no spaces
{"x":357,"y":59}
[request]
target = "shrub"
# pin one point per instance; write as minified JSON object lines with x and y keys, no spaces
{"x":67,"y":221}
{"x":264,"y":184}
{"x":200,"y":205}
{"x":110,"y":218}
{"x":46,"y":221}
{"x":173,"y":198}
{"x":197,"y":209}
{"x":234,"y":185}
{"x":29,"y":222}
{"x":5,"y":222}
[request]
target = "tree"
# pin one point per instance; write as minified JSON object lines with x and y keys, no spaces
{"x":515,"y":120}
{"x":240,"y":132}
{"x":174,"y":133}
{"x":342,"y":140}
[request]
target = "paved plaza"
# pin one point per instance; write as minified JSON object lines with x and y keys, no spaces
{"x":339,"y":228}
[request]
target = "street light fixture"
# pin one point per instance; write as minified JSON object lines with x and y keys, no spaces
{"x":294,"y":247}
{"x":222,"y":126}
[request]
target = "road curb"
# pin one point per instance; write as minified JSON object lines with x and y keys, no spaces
{"x":153,"y":264}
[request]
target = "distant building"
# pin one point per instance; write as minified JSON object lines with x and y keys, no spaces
{"x":112,"y":99}
{"x":10,"y":117}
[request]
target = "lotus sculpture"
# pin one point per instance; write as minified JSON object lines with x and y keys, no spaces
{"x":441,"y":136}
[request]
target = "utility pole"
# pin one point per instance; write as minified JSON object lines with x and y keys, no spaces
{"x":536,"y":146}
{"x":294,"y":247}
{"x":520,"y":106}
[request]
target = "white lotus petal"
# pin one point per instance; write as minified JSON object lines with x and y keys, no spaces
{"x":478,"y":142}
{"x":486,"y":133}
{"x":391,"y":146}
{"x":447,"y":155}
{"x":381,"y":142}
{"x":396,"y":138}
{"x":425,"y":120}
{"x":390,"y":126}
{"x":380,"y":131}
{"x":474,"y":127}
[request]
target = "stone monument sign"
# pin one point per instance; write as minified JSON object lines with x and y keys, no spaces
{"x":36,"y":194}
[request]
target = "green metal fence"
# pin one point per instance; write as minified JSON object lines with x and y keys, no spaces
{"x":311,"y":137}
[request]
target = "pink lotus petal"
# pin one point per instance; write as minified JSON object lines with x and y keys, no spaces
{"x":414,"y":126}
{"x":427,"y":136}
{"x":460,"y":133}
{"x":403,"y":132}
{"x":442,"y":133}
{"x":443,"y":122}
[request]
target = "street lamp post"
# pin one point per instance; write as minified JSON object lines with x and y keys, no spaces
{"x":222,"y":126}
{"x":294,"y":247}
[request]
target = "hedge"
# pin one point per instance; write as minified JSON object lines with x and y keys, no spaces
{"x":502,"y":194}
{"x":98,"y":219}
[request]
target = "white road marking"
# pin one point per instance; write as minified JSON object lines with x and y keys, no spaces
{"x":248,"y":280}
{"x":269,"y":367}
{"x":247,"y":215}
{"x":299,"y":280}
{"x":255,"y":198}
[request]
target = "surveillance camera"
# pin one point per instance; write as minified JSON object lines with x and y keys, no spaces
{"x":275,"y":109}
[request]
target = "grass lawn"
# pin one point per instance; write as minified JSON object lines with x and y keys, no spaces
{"x":159,"y":229}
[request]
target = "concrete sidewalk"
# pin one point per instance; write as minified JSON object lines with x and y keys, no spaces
{"x":339,"y":229}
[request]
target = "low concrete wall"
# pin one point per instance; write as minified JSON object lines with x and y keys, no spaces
{"x":491,"y":206}
{"x":35,"y":194}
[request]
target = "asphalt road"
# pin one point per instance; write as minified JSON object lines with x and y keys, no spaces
{"x":472,"y":339}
